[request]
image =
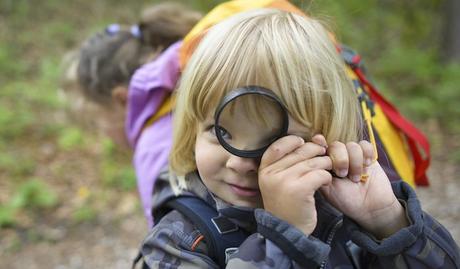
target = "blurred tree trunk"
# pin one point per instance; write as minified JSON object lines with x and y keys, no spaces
{"x":451,"y":32}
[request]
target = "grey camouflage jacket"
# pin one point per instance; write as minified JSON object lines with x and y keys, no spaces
{"x":337,"y":241}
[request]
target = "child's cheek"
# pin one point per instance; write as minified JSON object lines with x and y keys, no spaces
{"x":208,"y":158}
{"x":201,"y":161}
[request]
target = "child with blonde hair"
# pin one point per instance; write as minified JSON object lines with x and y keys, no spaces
{"x":316,"y":197}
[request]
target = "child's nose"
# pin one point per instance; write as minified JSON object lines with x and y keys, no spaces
{"x":242,"y":165}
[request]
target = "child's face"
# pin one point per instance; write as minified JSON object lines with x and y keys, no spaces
{"x":233,"y":179}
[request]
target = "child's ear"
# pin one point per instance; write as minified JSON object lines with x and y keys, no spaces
{"x":120,"y":95}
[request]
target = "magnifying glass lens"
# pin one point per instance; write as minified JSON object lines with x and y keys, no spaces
{"x":248,"y":123}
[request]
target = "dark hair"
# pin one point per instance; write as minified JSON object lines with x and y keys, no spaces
{"x":109,"y":58}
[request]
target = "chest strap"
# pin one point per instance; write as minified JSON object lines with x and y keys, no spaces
{"x":222,"y":236}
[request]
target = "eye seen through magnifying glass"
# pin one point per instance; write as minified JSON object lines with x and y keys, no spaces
{"x":249,"y":119}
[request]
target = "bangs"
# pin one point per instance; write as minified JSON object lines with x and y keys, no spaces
{"x":221,"y":67}
{"x":218,"y":79}
{"x":257,"y":110}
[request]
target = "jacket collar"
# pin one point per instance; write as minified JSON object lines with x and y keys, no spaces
{"x":243,"y":216}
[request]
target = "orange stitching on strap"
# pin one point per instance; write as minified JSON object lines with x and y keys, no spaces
{"x":198,"y":240}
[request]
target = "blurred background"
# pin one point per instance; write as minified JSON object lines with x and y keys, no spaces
{"x":68,"y":195}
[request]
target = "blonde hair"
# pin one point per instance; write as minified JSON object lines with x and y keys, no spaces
{"x":291,"y":55}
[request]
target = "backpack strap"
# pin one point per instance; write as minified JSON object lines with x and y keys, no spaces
{"x":222,"y":236}
{"x":418,"y":143}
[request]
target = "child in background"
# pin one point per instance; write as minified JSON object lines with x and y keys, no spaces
{"x":107,"y":60}
{"x":104,"y":64}
{"x":107,"y":64}
{"x":297,"y":213}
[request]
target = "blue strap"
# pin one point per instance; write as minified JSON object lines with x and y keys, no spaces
{"x":220,"y":233}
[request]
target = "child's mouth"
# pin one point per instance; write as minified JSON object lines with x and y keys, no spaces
{"x":243,"y":191}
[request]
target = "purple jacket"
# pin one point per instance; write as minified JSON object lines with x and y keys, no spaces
{"x":148,"y":88}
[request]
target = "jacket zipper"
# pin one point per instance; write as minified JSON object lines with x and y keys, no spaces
{"x":334,"y":229}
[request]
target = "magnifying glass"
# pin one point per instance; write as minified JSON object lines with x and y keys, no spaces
{"x":249,"y":119}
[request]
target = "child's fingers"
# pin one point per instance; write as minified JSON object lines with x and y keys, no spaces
{"x":368,"y":152}
{"x":280,"y":148}
{"x":303,"y":167}
{"x":339,"y":155}
{"x":356,"y":161}
{"x":304,"y":152}
{"x":320,"y":140}
{"x":309,"y":150}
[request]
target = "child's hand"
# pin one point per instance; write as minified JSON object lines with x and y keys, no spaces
{"x":371,"y":203}
{"x":289,"y":174}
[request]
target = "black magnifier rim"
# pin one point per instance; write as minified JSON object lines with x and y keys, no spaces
{"x":232,"y":95}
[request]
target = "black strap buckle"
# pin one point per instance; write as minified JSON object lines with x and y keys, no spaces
{"x":224,"y":225}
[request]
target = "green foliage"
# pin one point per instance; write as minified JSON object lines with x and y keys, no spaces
{"x":46,"y":86}
{"x":31,"y":195}
{"x":122,"y":178}
{"x":34,"y":194}
{"x":7,"y":216}
{"x":84,"y":213}
{"x":108,"y":148}
{"x":410,"y":83}
{"x":113,"y":175}
{"x":448,"y":96}
{"x":6,"y":161}
{"x":70,"y":138}
{"x":17,"y":166}
{"x":9,"y":66}
{"x":13,"y":123}
{"x":455,"y":156}
{"x":203,"y":5}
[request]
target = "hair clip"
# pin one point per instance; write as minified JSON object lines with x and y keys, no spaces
{"x":112,"y":29}
{"x":136,"y":31}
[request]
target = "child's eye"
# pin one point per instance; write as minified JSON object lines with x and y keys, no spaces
{"x":223,"y":133}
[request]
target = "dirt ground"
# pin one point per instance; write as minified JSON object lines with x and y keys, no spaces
{"x":100,"y":245}
{"x":442,"y":198}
